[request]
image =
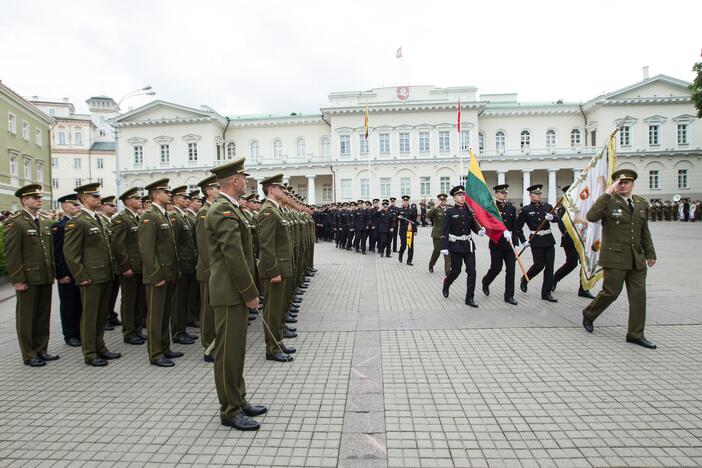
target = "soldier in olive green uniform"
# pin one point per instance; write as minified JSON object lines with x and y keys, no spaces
{"x":232,"y":292}
{"x":275,"y":265}
{"x":29,"y":258}
{"x":160,"y":272}
{"x":436,"y":216}
{"x":210,"y":187}
{"x":186,"y":285}
{"x":125,"y":244}
{"x":88,"y":254}
{"x":627,"y":250}
{"x":108,"y":208}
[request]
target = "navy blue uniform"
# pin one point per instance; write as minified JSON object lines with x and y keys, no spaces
{"x":542,"y":242}
{"x":502,"y":251}
{"x":456,"y":238}
{"x":409,"y":213}
{"x":69,"y":294}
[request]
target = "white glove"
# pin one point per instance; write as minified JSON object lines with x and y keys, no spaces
{"x":525,"y":244}
{"x":507,"y":234}
{"x":549,"y":217}
{"x":444,"y":252}
{"x":482,"y":231}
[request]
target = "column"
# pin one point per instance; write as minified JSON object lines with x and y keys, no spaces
{"x":261,"y":195}
{"x":501,"y":176}
{"x":311,"y":190}
{"x":552,"y":188}
{"x":526,"y":182}
{"x":576,"y":174}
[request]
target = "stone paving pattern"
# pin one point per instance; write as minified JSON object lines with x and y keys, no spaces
{"x":389,"y":373}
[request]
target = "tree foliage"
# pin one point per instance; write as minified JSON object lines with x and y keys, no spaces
{"x":696,"y":88}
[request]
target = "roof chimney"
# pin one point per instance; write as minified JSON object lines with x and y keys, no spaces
{"x":645,"y":72}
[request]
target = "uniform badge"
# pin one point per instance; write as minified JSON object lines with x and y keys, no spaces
{"x":145,"y":221}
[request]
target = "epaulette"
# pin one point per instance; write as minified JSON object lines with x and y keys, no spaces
{"x":15,"y":215}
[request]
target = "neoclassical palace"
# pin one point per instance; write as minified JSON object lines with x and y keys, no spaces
{"x":414,"y":147}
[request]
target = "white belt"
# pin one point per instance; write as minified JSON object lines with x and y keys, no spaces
{"x":542,"y":233}
{"x":453,"y":238}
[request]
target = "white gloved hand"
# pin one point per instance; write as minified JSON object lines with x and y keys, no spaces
{"x":525,"y":244}
{"x":482,"y":231}
{"x":549,"y":217}
{"x":507,"y":235}
{"x":444,"y":252}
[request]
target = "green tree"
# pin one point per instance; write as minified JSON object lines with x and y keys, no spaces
{"x":696,"y":88}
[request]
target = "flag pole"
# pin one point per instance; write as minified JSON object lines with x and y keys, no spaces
{"x":460,"y":144}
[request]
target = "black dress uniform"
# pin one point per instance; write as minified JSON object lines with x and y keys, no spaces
{"x":542,"y":242}
{"x":373,"y":225}
{"x":394,"y":211}
{"x":456,"y":239}
{"x":502,"y":252}
{"x":408,"y":213}
{"x":384,"y":220}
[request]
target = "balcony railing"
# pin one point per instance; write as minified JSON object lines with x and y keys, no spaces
{"x":306,"y":158}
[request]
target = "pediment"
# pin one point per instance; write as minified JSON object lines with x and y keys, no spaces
{"x":162,"y":110}
{"x":657,"y":87}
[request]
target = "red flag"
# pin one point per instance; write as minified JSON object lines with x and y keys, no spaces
{"x":459,"y":115}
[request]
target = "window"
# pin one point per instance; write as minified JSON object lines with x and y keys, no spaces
{"x":574,"y":137}
{"x":384,"y":143}
{"x":164,"y":152}
{"x":625,"y":136}
{"x":362,"y":144}
{"x":444,"y":141}
{"x":55,"y":183}
{"x":138,"y":155}
{"x":11,"y":123}
{"x":653,"y":135}
{"x":102,"y":132}
{"x":465,"y":140}
{"x":404,"y":142}
{"x":481,"y":141}
{"x":25,"y":130}
{"x":100,"y":163}
{"x":100,"y":180}
{"x":37,"y":136}
{"x":365,"y":188}
{"x":13,"y":166}
{"x":499,"y":141}
{"x":325,"y":147}
{"x":300,"y":147}
{"x":653,"y":180}
{"x":682,"y":179}
{"x":682,"y":134}
{"x":40,"y":173}
{"x":404,"y":186}
{"x":54,"y":162}
{"x":76,"y":163}
{"x":445,"y":184}
{"x":277,"y":149}
{"x":525,"y":139}
{"x":424,"y":142}
{"x":78,"y":182}
{"x":550,"y":138}
{"x":326,"y":192}
{"x":52,"y":112}
{"x":192,"y":152}
{"x":345,"y":188}
{"x":344,"y":145}
{"x":78,"y":139}
{"x":61,"y":138}
{"x":27,"y":169}
{"x":425,"y":186}
{"x":231,"y":150}
{"x":385,"y":186}
{"x":254,"y":150}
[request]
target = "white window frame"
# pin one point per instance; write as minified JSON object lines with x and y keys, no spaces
{"x":465,"y":140}
{"x":625,"y":135}
{"x":683,"y":129}
{"x":325,"y":147}
{"x":164,"y":154}
{"x":365,"y":187}
{"x":425,"y":186}
{"x":405,"y":186}
{"x":39,"y":170}
{"x":654,"y":179}
{"x":100,"y":162}
{"x":424,"y":142}
{"x":55,"y":162}
{"x":37,"y":137}
{"x":78,"y":138}
{"x":384,"y":143}
{"x":654,"y":134}
{"x":300,"y":147}
{"x":345,"y":185}
{"x":551,"y":136}
{"x":445,"y":184}
{"x":231,"y":150}
{"x":481,"y":141}
{"x":138,"y":155}
{"x":386,"y":187}
{"x":500,"y":140}
{"x":525,"y":139}
{"x":404,"y":142}
{"x":345,"y":144}
{"x":61,"y":138}
{"x":77,"y":163}
{"x":12,"y":123}
{"x":13,"y":166}
{"x":277,"y":148}
{"x":363,"y":144}
{"x":444,"y":141}
{"x":78,"y":182}
{"x":683,"y":179}
{"x":327,"y":194}
{"x":575,"y":138}
{"x":192,"y":152}
{"x":27,"y":163}
{"x":25,"y":130}
{"x":55,"y":183}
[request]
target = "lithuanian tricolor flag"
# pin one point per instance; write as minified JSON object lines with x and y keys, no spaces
{"x":479,"y":198}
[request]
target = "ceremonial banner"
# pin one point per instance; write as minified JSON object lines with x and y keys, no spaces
{"x":479,"y":198}
{"x":582,"y":194}
{"x":410,"y":234}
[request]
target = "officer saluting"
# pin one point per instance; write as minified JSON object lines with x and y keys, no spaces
{"x":30,"y":266}
{"x":457,"y":242}
{"x":541,"y":240}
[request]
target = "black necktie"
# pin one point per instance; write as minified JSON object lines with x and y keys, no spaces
{"x":97,"y":218}
{"x":36,"y":223}
{"x":631,"y":206}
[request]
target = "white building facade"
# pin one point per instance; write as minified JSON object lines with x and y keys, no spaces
{"x":413,"y":145}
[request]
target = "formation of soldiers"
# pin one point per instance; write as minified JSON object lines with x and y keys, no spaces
{"x":681,"y":210}
{"x":213,"y":259}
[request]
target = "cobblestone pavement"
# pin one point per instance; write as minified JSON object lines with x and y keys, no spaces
{"x":389,"y":373}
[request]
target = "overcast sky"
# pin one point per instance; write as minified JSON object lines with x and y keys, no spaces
{"x":260,"y":56}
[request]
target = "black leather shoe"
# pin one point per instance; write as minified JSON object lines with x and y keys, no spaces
{"x":253,"y":410}
{"x":287,"y":350}
{"x":241,"y":422}
{"x":194,"y":324}
{"x":114,"y":322}
{"x":400,"y":258}
{"x":289,"y":319}
{"x":409,"y":263}
{"x":143,"y":337}
{"x":588,"y":325}
{"x":173,"y":354}
{"x":295,"y":307}
{"x":191,"y":336}
{"x":511,"y":300}
{"x":586,"y":294}
{"x":279,"y":357}
{"x":292,"y":313}
{"x":134,"y":340}
{"x":75,"y":342}
{"x":109,"y":355}
{"x":48,"y":357}
{"x":163,"y":361}
{"x":109,"y":327}
{"x":312,"y":270}
{"x":486,"y":289}
{"x":549,"y":298}
{"x":252,"y":317}
{"x":471,"y":302}
{"x":289,"y":334}
{"x":297,"y":301}
{"x":35,"y":362}
{"x":387,"y":256}
{"x":445,"y":291}
{"x":523,"y":285}
{"x":292,"y":329}
{"x":183,"y":339}
{"x":208,"y":358}
{"x":431,"y":269}
{"x":642,"y":342}
{"x":97,"y":362}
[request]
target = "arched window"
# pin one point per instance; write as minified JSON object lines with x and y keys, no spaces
{"x":500,"y":140}
{"x":550,"y":138}
{"x":254,"y":150}
{"x":231,"y":150}
{"x":481,"y":141}
{"x":325,"y":149}
{"x":525,"y":139}
{"x":575,"y":137}
{"x":300,"y":144}
{"x":277,"y":149}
